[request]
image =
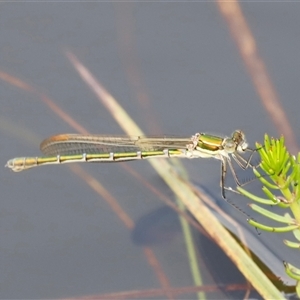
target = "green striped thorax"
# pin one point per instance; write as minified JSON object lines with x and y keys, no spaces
{"x":213,"y":145}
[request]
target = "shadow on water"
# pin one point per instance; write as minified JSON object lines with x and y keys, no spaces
{"x":156,"y":227}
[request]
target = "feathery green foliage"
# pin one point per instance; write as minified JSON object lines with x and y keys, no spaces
{"x":279,"y":173}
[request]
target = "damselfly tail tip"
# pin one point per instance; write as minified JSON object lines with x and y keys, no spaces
{"x":14,"y":167}
{"x":9,"y":164}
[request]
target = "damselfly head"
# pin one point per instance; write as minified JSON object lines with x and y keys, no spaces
{"x":239,"y":139}
{"x":237,"y":142}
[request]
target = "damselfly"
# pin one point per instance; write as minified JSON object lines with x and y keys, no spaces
{"x":68,"y":148}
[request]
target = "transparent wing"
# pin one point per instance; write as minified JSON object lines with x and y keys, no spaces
{"x":70,"y":144}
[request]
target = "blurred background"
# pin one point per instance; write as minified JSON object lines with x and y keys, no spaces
{"x":176,"y":70}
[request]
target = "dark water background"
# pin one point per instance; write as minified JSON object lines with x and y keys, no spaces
{"x":58,"y":238}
